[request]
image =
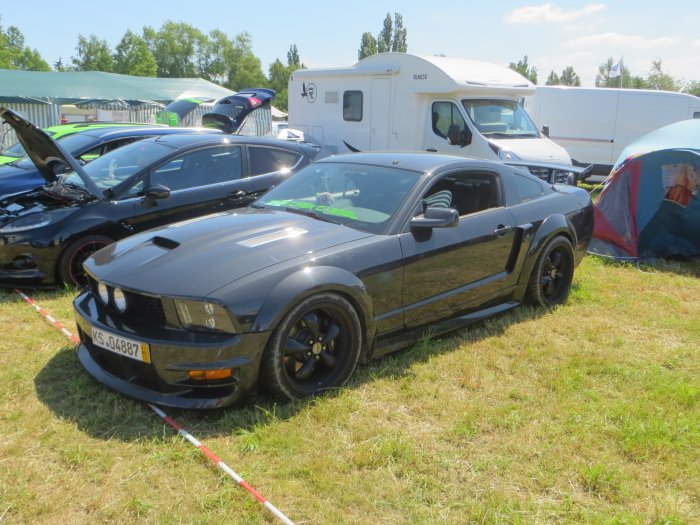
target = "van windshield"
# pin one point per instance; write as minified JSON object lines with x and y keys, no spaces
{"x":500,"y":118}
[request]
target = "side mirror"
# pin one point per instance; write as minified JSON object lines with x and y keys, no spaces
{"x":154,"y":193}
{"x":545,"y":130}
{"x":466,"y":137}
{"x":435,"y":217}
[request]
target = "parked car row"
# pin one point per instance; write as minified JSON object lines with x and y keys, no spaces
{"x":198,"y":303}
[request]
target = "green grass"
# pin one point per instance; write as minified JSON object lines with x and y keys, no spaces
{"x":589,"y":413}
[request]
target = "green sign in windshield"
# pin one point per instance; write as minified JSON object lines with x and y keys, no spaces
{"x":304,"y":205}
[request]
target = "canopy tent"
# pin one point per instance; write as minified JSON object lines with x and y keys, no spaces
{"x":650,"y":206}
{"x":38,"y":95}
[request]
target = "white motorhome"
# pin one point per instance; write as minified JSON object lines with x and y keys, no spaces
{"x":397,"y":101}
{"x":596,"y":124}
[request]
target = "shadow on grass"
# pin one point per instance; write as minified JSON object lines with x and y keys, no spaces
{"x":685,"y":267}
{"x":73,"y":395}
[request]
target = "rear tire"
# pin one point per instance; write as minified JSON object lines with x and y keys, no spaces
{"x":314,"y":348}
{"x":70,"y":266}
{"x":551,"y":277}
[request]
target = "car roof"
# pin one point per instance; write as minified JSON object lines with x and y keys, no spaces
{"x":134,"y":131}
{"x":413,"y":160}
{"x":209,"y":135}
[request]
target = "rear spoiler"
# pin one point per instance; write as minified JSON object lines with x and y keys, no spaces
{"x":553,"y":172}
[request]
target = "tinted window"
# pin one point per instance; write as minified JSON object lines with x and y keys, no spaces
{"x":527,"y":188}
{"x":200,"y":168}
{"x":467,"y":192}
{"x":696,"y":114}
{"x":268,"y":160}
{"x":352,"y":106}
{"x":503,"y":117}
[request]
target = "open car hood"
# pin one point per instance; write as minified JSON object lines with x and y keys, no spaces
{"x":45,"y":152}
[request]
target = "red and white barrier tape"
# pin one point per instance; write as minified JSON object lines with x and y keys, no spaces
{"x":223,"y":466}
{"x":46,"y":314}
{"x":189,"y":437}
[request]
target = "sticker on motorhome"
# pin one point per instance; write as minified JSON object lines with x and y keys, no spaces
{"x":420,"y":76}
{"x":308,"y":91}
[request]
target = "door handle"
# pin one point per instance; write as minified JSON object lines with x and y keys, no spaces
{"x":501,"y":230}
{"x":432,"y":150}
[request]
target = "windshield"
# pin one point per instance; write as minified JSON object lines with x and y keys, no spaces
{"x":502,"y":118}
{"x":74,"y":144}
{"x":360,"y":196}
{"x":118,"y":165}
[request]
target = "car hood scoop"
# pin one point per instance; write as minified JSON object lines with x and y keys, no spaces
{"x":196,"y":257}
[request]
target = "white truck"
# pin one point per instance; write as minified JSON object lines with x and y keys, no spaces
{"x":596,"y":124}
{"x":398,"y":101}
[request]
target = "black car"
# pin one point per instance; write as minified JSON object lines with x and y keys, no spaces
{"x":352,"y":257}
{"x":46,"y":234}
{"x":24,"y":174}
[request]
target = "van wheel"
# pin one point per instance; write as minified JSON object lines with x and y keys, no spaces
{"x":551,"y":277}
{"x":70,"y":266}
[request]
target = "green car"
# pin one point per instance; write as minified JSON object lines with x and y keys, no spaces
{"x":16,"y":151}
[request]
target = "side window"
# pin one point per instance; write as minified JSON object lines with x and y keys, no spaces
{"x":696,"y":114}
{"x":269,"y":160}
{"x":352,"y":106}
{"x":467,"y":192}
{"x":106,"y":147}
{"x":200,"y":168}
{"x":527,"y":188}
{"x":446,"y":115}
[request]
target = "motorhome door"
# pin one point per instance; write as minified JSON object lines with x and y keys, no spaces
{"x":379,"y":114}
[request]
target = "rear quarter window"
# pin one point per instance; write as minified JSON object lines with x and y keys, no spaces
{"x":528,"y":188}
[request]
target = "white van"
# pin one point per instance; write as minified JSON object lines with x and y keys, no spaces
{"x":397,"y":101}
{"x":596,"y":124}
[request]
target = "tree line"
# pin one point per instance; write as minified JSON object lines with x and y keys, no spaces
{"x":179,"y":50}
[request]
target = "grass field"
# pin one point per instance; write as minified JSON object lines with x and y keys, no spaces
{"x":586,"y":414}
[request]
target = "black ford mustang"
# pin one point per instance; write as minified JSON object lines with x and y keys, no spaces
{"x":46,"y":233}
{"x":350,"y":258}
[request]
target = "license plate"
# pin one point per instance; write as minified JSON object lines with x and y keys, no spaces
{"x":121,"y":345}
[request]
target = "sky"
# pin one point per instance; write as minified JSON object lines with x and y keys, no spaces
{"x":553,"y":35}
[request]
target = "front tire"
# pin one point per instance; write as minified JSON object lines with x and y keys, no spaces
{"x":551,"y":277}
{"x":315,"y":348}
{"x":70,"y":266}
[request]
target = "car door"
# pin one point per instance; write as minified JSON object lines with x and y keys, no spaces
{"x":268,"y":166}
{"x":446,"y":117}
{"x":455,"y":269}
{"x":201,"y":181}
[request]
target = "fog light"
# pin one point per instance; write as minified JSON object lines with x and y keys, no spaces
{"x":204,"y":375}
{"x":103,"y":293}
{"x":119,"y":300}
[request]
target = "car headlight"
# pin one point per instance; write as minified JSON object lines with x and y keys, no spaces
{"x":103,"y":292}
{"x":506,"y":154}
{"x":203,"y":315}
{"x":28,"y":222}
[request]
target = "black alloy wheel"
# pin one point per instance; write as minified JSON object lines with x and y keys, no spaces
{"x":554,"y":270}
{"x":70,"y":267}
{"x":315,"y":348}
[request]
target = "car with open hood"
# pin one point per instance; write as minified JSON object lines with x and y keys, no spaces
{"x":352,"y":257}
{"x":46,"y":233}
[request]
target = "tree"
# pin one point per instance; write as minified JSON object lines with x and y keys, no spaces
{"x":569,"y":77}
{"x":58,"y":65}
{"x":279,"y":76}
{"x":93,"y":55}
{"x":398,"y":44}
{"x":245,"y":69}
{"x":693,"y":88}
{"x":657,"y":79}
{"x":553,"y":79}
{"x":367,"y":47}
{"x":132,"y":57}
{"x":15,"y":55}
{"x":525,"y":70}
{"x":175,"y":47}
{"x":384,"y":38}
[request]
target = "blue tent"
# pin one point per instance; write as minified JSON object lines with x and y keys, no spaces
{"x":650,"y":206}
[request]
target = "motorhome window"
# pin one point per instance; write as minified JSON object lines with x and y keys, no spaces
{"x":352,"y":106}
{"x":444,"y":115}
{"x":696,"y":114}
{"x":505,"y":118}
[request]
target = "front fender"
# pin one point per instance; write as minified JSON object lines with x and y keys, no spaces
{"x":309,"y":281}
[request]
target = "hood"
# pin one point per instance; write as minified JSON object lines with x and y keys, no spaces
{"x":194,"y":258}
{"x":33,"y":201}
{"x":535,"y":149}
{"x":43,"y":150}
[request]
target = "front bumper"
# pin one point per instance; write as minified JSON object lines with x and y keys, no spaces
{"x":164,"y":381}
{"x":27,"y":263}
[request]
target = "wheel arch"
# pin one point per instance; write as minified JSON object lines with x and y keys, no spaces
{"x":311,"y":281}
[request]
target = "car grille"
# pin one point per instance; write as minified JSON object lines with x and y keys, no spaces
{"x":140,"y":307}
{"x":549,"y":175}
